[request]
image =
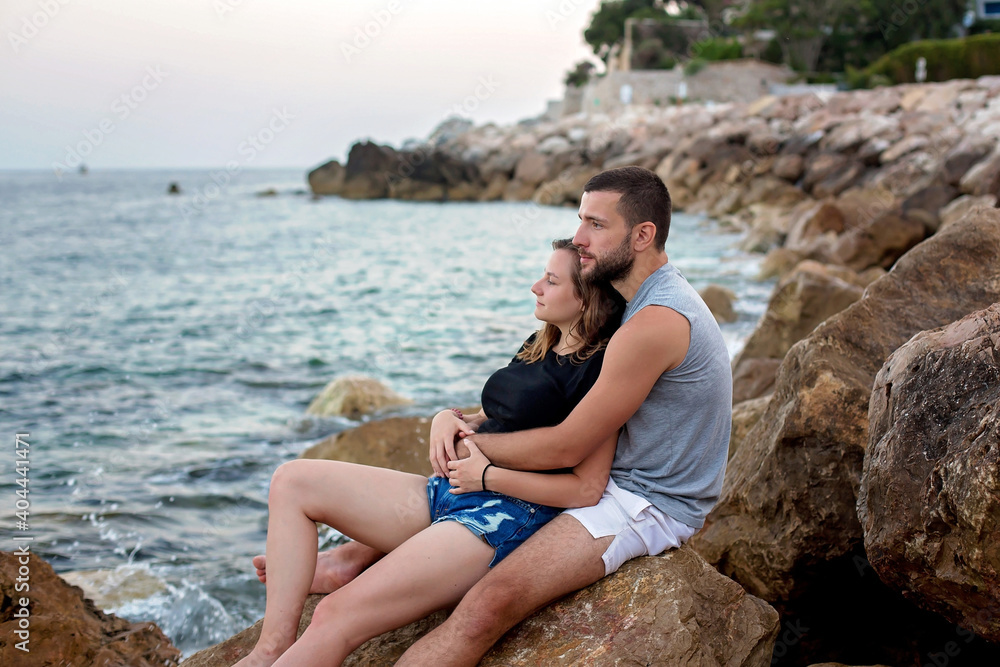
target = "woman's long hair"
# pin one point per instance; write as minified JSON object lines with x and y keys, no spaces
{"x":602,"y":314}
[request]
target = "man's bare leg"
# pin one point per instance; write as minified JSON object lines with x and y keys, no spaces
{"x":560,"y":558}
{"x":334,"y":568}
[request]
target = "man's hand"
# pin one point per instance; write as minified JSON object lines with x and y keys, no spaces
{"x":466,"y":475}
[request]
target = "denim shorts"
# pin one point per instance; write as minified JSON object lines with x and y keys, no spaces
{"x":500,"y":521}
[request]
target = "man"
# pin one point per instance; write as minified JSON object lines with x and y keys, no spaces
{"x":666,"y":378}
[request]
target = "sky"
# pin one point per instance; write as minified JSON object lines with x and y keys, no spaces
{"x":268,"y":83}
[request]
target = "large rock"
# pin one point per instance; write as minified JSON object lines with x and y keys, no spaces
{"x":880,"y":243}
{"x":719,"y":300}
{"x":399,"y":443}
{"x":672,"y":609}
{"x":800,"y":301}
{"x":961,"y":207}
{"x":984,"y":177}
{"x":64,"y":628}
{"x":929,"y":501}
{"x":354,"y":396}
{"x":327,"y":179}
{"x":369,"y":170}
{"x":745,"y":415}
{"x":788,"y":503}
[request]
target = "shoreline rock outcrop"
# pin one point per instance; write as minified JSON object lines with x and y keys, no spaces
{"x":787,"y":511}
{"x":672,"y":609}
{"x":812,"y":437}
{"x":65,"y":628}
{"x":929,"y":500}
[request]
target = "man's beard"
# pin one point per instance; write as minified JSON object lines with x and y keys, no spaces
{"x":616,"y":265}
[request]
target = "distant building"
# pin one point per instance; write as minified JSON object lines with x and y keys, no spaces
{"x":987,"y":9}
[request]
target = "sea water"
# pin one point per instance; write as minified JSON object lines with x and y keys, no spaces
{"x":161,"y":350}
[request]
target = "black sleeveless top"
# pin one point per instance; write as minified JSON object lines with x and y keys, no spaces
{"x":523,"y":396}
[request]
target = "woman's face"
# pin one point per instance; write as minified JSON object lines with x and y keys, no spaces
{"x":556,"y":299}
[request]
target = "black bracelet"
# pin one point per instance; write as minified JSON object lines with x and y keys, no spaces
{"x":483,"y":480}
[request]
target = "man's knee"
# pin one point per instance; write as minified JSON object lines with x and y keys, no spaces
{"x":489,"y":608}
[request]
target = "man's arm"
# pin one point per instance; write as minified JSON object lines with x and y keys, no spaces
{"x":653,"y":341}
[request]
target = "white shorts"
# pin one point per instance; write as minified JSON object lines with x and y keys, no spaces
{"x":639,"y":528}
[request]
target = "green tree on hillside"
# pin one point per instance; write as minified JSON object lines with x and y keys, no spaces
{"x":802,"y":26}
{"x":607,"y":26}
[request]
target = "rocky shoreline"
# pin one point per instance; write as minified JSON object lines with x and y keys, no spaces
{"x":858,"y":522}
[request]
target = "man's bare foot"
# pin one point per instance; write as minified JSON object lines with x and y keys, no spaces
{"x":334,"y":568}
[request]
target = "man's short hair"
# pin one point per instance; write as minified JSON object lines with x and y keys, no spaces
{"x":643,"y":197}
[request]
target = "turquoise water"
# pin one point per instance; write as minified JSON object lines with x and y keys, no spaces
{"x":161,"y":350}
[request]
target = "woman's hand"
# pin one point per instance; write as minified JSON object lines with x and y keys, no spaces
{"x":466,"y":475}
{"x":445,"y":427}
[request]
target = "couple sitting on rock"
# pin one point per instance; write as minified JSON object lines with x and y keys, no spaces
{"x":630,"y":424}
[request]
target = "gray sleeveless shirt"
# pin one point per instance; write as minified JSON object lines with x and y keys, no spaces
{"x":673,"y":450}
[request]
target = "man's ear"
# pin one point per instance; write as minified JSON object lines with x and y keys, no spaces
{"x":645,"y":234}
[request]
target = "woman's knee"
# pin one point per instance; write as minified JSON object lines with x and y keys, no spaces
{"x":291,"y":477}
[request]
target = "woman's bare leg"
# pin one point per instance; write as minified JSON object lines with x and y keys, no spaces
{"x":376,"y":506}
{"x":430,"y":571}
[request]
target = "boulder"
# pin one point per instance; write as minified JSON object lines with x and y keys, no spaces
{"x":778,"y":262}
{"x":754,"y":377}
{"x":907,"y":144}
{"x":961,"y":158}
{"x":327,"y":179}
{"x":984,"y":177}
{"x":353,"y":396}
{"x":788,"y":502}
{"x":929,"y":500}
{"x":495,"y":188}
{"x":565,"y":188}
{"x":880,"y":243}
{"x":745,"y":415}
{"x":801,"y":300}
{"x":789,"y":167}
{"x":839,"y":181}
{"x":399,"y":443}
{"x":368,"y":171}
{"x":823,"y":166}
{"x":815,"y":221}
{"x":720,"y":301}
{"x":518,"y":190}
{"x":66,"y":628}
{"x":925,"y":206}
{"x":860,"y":205}
{"x":906,"y":175}
{"x":961,"y":207}
{"x":672,"y":609}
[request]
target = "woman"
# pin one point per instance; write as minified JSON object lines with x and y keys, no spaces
{"x":440,"y":537}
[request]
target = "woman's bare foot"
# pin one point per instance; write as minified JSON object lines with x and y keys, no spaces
{"x":262,"y":656}
{"x":334,"y":568}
